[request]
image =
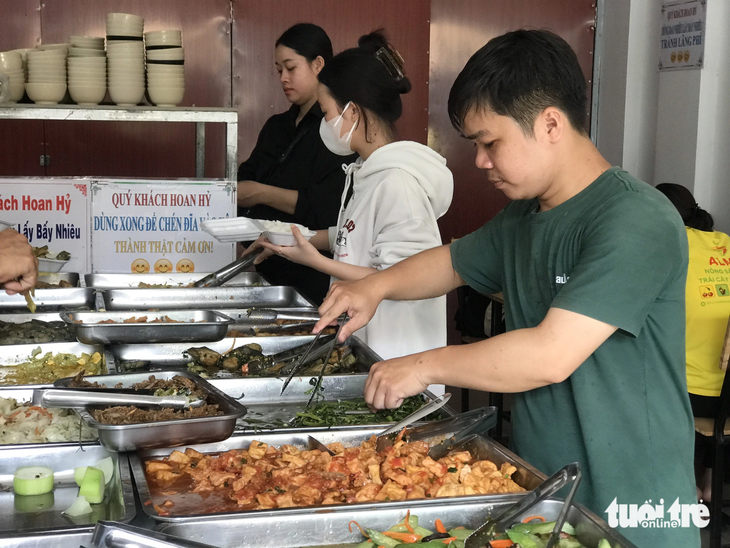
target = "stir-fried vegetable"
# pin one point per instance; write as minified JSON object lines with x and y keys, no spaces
{"x":335,"y":413}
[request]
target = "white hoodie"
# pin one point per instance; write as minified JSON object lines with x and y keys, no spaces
{"x":399,"y":193}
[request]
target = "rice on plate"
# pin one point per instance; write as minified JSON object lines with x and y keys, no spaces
{"x":32,"y":424}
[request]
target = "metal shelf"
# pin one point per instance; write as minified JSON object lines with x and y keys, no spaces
{"x":104,"y":113}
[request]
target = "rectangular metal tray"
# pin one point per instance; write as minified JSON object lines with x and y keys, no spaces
{"x":482,"y":447}
{"x":55,"y":539}
{"x":172,"y":279}
{"x":149,"y":435}
{"x":56,"y":277}
{"x":65,"y":298}
{"x":15,"y":354}
{"x":203,"y":297}
{"x":119,"y":499}
{"x":189,"y":326}
{"x":328,"y":528}
{"x":21,"y":318}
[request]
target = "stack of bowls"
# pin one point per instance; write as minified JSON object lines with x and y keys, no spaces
{"x":11,"y":63}
{"x":165,"y":67}
{"x":125,"y":54}
{"x":86,"y":69}
{"x":46,"y":75}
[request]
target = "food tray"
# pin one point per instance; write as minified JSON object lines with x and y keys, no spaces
{"x":131,"y":437}
{"x":244,"y":324}
{"x":482,"y":447}
{"x":25,"y":336}
{"x":72,"y":298}
{"x":119,"y":499}
{"x":189,"y":326}
{"x":64,"y":539}
{"x":15,"y":354}
{"x":174,"y":280}
{"x":331,"y":528}
{"x":54,"y":278}
{"x":116,"y":535}
{"x":204,"y":297}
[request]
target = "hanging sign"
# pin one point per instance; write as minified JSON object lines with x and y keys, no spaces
{"x":147,"y":225}
{"x":50,"y":212}
{"x":682,"y":40}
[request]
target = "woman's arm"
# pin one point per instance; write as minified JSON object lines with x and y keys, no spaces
{"x":252,"y":193}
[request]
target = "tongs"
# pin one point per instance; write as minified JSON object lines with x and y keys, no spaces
{"x":60,"y":397}
{"x":498,"y":525}
{"x":271,"y":315}
{"x":229,"y":271}
{"x":342,"y":320}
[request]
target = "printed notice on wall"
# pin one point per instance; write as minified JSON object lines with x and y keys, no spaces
{"x":143,"y":226}
{"x":52,"y":213}
{"x":682,"y":40}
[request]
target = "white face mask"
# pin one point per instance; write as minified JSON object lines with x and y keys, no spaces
{"x":330,"y":134}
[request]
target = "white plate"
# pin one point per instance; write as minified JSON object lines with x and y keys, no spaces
{"x":50,"y":265}
{"x":236,"y":229}
{"x":4,"y":225}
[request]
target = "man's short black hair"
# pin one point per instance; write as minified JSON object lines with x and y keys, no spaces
{"x":520,"y":74}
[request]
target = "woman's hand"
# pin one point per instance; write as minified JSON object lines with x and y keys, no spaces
{"x":250,"y":193}
{"x":303,"y":252}
{"x":259,"y":243}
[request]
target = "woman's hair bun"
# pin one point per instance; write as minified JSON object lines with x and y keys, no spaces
{"x":374,"y":41}
{"x":377,"y":44}
{"x":403,"y":85}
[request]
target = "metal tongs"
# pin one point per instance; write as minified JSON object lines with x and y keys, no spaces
{"x":271,"y":315}
{"x":342,"y":320}
{"x":499,"y":524}
{"x":68,"y":397}
{"x":229,"y":271}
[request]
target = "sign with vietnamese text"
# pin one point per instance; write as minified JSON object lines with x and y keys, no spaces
{"x":682,"y":40}
{"x":154,"y":226}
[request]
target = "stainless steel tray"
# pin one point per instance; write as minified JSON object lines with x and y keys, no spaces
{"x":189,"y":326}
{"x":149,"y":435}
{"x":65,"y":298}
{"x":56,"y":539}
{"x":244,"y":324}
{"x":21,"y":335}
{"x":203,"y":297}
{"x":19,"y":353}
{"x":22,"y":514}
{"x":482,"y":447}
{"x":56,"y":277}
{"x":109,"y":534}
{"x":174,"y":280}
{"x":328,"y":528}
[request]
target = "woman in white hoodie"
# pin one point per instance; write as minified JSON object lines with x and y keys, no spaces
{"x":394,"y":193}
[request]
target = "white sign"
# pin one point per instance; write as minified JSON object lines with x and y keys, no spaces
{"x":682,"y":40}
{"x":154,"y":226}
{"x":52,"y":212}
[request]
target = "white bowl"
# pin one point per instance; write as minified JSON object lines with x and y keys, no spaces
{"x":10,"y":60}
{"x":51,"y":265}
{"x":94,"y":42}
{"x":165,"y":70}
{"x":126,"y":95}
{"x":16,"y":92}
{"x":45,"y":93}
{"x":101,"y":71}
{"x":87,"y":95}
{"x":85,"y":52}
{"x":163,"y":38}
{"x":168,"y":54}
{"x":51,"y":47}
{"x":124,"y":18}
{"x":86,"y":82}
{"x":285,"y":237}
{"x":166,"y":97}
{"x":13,"y":73}
{"x":114,"y":32}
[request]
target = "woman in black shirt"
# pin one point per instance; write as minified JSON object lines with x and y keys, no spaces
{"x":291,"y":176}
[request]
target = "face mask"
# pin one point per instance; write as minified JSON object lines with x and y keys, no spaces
{"x":330,"y":134}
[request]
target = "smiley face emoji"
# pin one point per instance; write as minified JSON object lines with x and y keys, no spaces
{"x":185,"y":265}
{"x":163,"y":266}
{"x":140,"y":266}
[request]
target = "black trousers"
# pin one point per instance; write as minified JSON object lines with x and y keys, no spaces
{"x":706,"y":406}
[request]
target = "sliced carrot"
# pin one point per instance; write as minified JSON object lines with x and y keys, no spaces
{"x":439,"y":526}
{"x":408,"y":525}
{"x":400,"y":435}
{"x":449,"y":540}
{"x":349,"y":526}
{"x":15,"y":414}
{"x":530,"y":518}
{"x":506,"y":543}
{"x":39,"y":409}
{"x":405,"y":537}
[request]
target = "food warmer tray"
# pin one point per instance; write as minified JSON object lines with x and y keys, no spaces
{"x":203,"y":297}
{"x":480,"y":446}
{"x":55,"y":539}
{"x":19,"y":353}
{"x":174,"y":280}
{"x":189,"y":326}
{"x":56,"y":277}
{"x":22,"y":514}
{"x":51,"y":299}
{"x":244,"y":324}
{"x":328,"y":528}
{"x":148,"y":435}
{"x":25,"y":317}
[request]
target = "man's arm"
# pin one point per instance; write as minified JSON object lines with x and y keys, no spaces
{"x":422,"y":276}
{"x":18,"y":265}
{"x":517,"y":361}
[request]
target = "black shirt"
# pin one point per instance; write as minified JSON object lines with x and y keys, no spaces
{"x":307,"y":167}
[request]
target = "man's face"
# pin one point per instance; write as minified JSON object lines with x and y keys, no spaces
{"x":514,"y":162}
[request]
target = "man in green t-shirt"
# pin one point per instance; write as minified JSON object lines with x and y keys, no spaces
{"x":592,"y":264}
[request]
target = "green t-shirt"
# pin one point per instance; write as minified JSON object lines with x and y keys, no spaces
{"x":615,"y":252}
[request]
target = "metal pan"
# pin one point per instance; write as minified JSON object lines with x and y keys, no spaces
{"x":173,"y":280}
{"x":66,"y":298}
{"x":44,"y":513}
{"x":188,"y":326}
{"x":132,"y":437}
{"x":204,"y":297}
{"x":38,"y":328}
{"x":330,"y":528}
{"x":64,"y":539}
{"x":15,"y":354}
{"x":482,"y":447}
{"x":56,"y":277}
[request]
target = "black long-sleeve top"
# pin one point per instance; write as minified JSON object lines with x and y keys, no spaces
{"x":294,"y":157}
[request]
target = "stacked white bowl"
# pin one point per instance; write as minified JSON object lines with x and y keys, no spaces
{"x":11,"y":63}
{"x":86,"y":69}
{"x":165,"y":67}
{"x":47,"y":74}
{"x":125,"y":55}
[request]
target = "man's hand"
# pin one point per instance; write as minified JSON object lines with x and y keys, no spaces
{"x":18,"y":265}
{"x":390,"y":382}
{"x":359,"y":299}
